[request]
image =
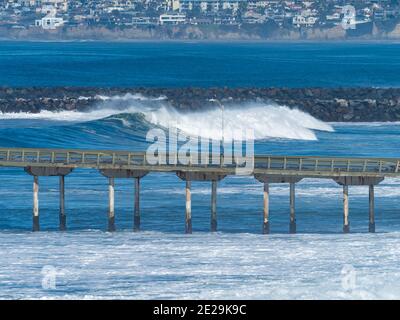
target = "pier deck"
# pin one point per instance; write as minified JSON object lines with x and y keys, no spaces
{"x":266,"y":169}
{"x":305,"y":166}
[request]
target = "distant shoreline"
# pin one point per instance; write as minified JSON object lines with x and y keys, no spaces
{"x":328,"y":104}
{"x":221,"y":33}
{"x":211,"y":41}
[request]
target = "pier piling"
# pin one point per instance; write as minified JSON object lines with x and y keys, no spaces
{"x":188,"y":220}
{"x":292,"y":226}
{"x":112,"y":174}
{"x":35,"y":217}
{"x":63,"y":218}
{"x":111,"y":212}
{"x":371,"y":209}
{"x":136,"y":218}
{"x":266,"y":209}
{"x":346,"y":223}
{"x":190,"y":176}
{"x":213,"y":206}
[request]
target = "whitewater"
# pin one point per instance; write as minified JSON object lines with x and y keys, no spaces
{"x":152,"y":265}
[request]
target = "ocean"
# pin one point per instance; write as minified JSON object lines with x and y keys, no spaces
{"x":161,"y":262}
{"x":172,"y":64}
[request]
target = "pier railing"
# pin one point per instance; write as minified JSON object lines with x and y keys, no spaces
{"x":103,"y":159}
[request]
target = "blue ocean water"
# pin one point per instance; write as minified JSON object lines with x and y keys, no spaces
{"x":172,"y":64}
{"x":162,"y":262}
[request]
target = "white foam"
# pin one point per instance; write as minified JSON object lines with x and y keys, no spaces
{"x":267,"y":121}
{"x":151,"y":265}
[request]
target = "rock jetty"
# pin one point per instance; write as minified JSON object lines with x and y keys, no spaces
{"x":327,"y":104}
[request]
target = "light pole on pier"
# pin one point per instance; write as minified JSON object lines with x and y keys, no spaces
{"x":222,"y":128}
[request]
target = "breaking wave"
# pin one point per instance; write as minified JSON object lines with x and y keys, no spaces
{"x":267,"y":120}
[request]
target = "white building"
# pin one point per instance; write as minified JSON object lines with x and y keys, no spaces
{"x":28,"y":3}
{"x":333,"y":17}
{"x":253,"y":17}
{"x":50,"y":21}
{"x":210,"y":5}
{"x":230,"y":5}
{"x":173,"y":5}
{"x":172,"y":18}
{"x":47,"y":9}
{"x":60,"y":5}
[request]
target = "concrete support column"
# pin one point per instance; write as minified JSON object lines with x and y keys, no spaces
{"x":188,"y":220}
{"x":136,"y":217}
{"x":35,"y":217}
{"x":371,"y":208}
{"x":266,"y":209}
{"x":214,"y":206}
{"x":111,"y":212}
{"x":346,"y":223}
{"x":63,"y":218}
{"x":292,"y":226}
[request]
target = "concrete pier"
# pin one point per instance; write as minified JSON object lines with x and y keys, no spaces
{"x":371,"y":227}
{"x":267,"y":169}
{"x":35,"y":218}
{"x":63,"y":218}
{"x":188,"y":218}
{"x":111,"y":202}
{"x":292,"y":224}
{"x":213,"y":206}
{"x":346,"y":223}
{"x":266,"y":209}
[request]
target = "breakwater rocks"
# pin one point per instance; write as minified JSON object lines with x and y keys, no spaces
{"x":327,"y":104}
